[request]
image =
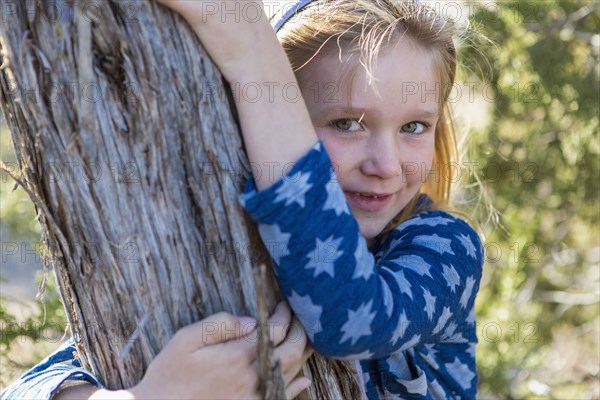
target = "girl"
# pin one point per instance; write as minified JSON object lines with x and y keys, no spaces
{"x":370,"y":263}
{"x":352,"y":209}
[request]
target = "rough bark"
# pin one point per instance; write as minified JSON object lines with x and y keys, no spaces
{"x":129,"y":149}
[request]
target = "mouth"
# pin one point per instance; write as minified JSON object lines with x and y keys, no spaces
{"x":368,"y":201}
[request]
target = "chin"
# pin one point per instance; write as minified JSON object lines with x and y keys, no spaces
{"x":369,"y":232}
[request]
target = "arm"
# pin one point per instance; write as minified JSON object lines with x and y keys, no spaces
{"x":246,"y":50}
{"x":419,"y":288}
{"x":195,"y":363}
{"x":45,"y":379}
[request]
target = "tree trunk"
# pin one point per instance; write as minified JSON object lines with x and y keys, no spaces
{"x":128,"y":147}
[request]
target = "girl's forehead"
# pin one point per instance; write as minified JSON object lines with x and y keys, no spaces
{"x":400,"y":64}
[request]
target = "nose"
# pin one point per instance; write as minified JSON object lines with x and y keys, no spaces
{"x":383,"y":156}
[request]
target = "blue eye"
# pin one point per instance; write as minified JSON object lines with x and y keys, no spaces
{"x":414,"y":127}
{"x":346,"y":124}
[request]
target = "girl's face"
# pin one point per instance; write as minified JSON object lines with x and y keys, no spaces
{"x":383,"y":147}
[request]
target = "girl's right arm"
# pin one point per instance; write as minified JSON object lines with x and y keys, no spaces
{"x":238,"y":36}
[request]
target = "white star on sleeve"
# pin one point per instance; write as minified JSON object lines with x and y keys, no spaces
{"x":324,"y":256}
{"x":434,"y":242}
{"x":460,"y":372}
{"x":294,"y":190}
{"x":433,"y":221}
{"x":388,"y":301}
{"x":414,"y":263}
{"x":429,"y":303}
{"x":403,"y":323}
{"x":471,"y":350}
{"x":411,"y":343}
{"x":430,"y":355}
{"x":464,"y":299}
{"x":308,"y":312}
{"x":471,"y":317}
{"x":358,"y":323}
{"x":467,"y":243}
{"x":275,"y":240}
{"x":451,"y":276}
{"x":365,"y":355}
{"x":449,"y":332}
{"x":403,"y":283}
{"x":446,"y":314}
{"x":336,"y":200}
{"x":364,"y":262}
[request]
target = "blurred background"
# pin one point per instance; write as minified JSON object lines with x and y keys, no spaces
{"x":528,"y":105}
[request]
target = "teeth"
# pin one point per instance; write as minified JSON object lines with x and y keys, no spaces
{"x":366,"y":195}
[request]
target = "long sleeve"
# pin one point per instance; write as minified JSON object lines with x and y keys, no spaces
{"x":418,"y":287}
{"x":43,"y":380}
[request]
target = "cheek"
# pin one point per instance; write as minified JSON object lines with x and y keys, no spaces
{"x":341,"y":156}
{"x":419,"y":161}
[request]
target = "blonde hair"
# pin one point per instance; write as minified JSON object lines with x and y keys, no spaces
{"x":360,"y":28}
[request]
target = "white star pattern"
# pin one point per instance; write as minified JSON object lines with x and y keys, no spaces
{"x":364,"y":261}
{"x":429,"y":303}
{"x":471,"y":317}
{"x":388,"y":301}
{"x":429,"y":356}
{"x":451,"y":276}
{"x":467,"y":244}
{"x":449,"y":332}
{"x":435,"y":243}
{"x":455,"y":337}
{"x":324,"y":256}
{"x":403,"y":323}
{"x":275,"y":240}
{"x":358,"y":323}
{"x":471,"y":350}
{"x":336,"y":200}
{"x":436,"y":391}
{"x":365,"y":355}
{"x":308,"y":313}
{"x":294,"y":190}
{"x":446,"y":314}
{"x":430,"y":221}
{"x":366,"y":377}
{"x":414,"y":263}
{"x":411,"y":343}
{"x":395,"y":243}
{"x":398,"y":365}
{"x":388,"y":395}
{"x":461,"y":373}
{"x":403,"y":283}
{"x":415,"y":386}
{"x":464,"y":299}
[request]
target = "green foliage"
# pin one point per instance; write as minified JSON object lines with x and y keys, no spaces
{"x":48,"y":324}
{"x":539,"y":296}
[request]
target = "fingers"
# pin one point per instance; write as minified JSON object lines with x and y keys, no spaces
{"x":293,"y":352}
{"x":279,"y":323}
{"x":214,"y":329}
{"x":296,"y":387}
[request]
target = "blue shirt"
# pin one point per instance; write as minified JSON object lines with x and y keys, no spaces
{"x":403,"y":307}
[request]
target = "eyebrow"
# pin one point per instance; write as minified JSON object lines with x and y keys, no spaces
{"x":360,"y":111}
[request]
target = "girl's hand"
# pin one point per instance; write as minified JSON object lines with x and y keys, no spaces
{"x":215,"y":358}
{"x":233,"y":32}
